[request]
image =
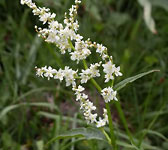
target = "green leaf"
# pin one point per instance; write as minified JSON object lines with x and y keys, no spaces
{"x":126,"y":145}
{"x":38,"y":104}
{"x":123,"y":83}
{"x":31,"y":59}
{"x":87,"y":133}
{"x":54,"y":116}
{"x":156,"y":133}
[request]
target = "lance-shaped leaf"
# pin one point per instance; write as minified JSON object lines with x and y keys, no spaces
{"x":86,"y":133}
{"x":36,"y":104}
{"x":123,"y":83}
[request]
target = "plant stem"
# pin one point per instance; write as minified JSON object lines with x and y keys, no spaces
{"x":106,"y":135}
{"x":123,"y":119}
{"x":113,"y":139}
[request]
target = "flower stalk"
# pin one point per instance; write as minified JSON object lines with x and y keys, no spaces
{"x":66,"y":37}
{"x":113,"y":139}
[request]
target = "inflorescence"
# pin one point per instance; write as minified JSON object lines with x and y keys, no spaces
{"x":65,"y":36}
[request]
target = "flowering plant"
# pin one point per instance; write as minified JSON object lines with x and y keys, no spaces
{"x":66,"y":37}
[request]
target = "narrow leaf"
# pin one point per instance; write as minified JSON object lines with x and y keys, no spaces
{"x":87,"y":133}
{"x":37,"y":104}
{"x":123,"y":83}
{"x":156,"y":133}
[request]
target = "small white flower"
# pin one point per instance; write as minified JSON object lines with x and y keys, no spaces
{"x":101,"y":123}
{"x":101,"y":49}
{"x":90,"y":73}
{"x":59,"y":75}
{"x":117,"y":71}
{"x":108,"y":77}
{"x":105,"y":115}
{"x":25,"y":1}
{"x":79,"y":89}
{"x":77,"y":1}
{"x":92,"y":118}
{"x":110,"y":71}
{"x":108,"y":67}
{"x":109,"y":94}
{"x":49,"y":73}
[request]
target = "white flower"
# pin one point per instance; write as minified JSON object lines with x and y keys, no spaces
{"x":44,"y":17}
{"x":40,"y":71}
{"x":79,"y":89}
{"x":110,"y":71}
{"x":81,"y":50}
{"x":90,"y":73}
{"x":49,"y":73}
{"x":77,"y":1}
{"x":117,"y":71}
{"x":108,"y":77}
{"x":25,"y":2}
{"x":108,"y":67}
{"x":69,"y":75}
{"x":94,"y":71}
{"x":109,"y":94}
{"x":101,"y":123}
{"x":105,"y":115}
{"x":89,"y":106}
{"x":85,"y":76}
{"x":101,"y":49}
{"x":92,"y":118}
{"x":59,"y":75}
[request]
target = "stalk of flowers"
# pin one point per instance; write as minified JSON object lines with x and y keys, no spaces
{"x":66,"y":37}
{"x":88,"y":108}
{"x":70,"y":78}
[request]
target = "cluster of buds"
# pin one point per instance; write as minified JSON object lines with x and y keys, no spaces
{"x":67,"y":39}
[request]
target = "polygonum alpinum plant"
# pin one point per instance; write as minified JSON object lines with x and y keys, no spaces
{"x":66,"y":37}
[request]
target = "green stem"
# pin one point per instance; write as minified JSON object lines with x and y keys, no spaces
{"x":123,"y":119}
{"x":118,"y":106}
{"x":113,"y":139}
{"x":70,"y":43}
{"x":106,"y":135}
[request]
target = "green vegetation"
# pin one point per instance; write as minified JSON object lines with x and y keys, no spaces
{"x":37,"y":114}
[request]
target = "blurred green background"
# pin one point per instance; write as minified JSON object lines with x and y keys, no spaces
{"x":34,"y":110}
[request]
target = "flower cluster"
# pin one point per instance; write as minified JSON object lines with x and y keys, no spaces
{"x":110,"y":71}
{"x":44,"y":13}
{"x":109,"y":94}
{"x":90,"y":73}
{"x":65,"y":36}
{"x":67,"y":73}
{"x":87,"y":107}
